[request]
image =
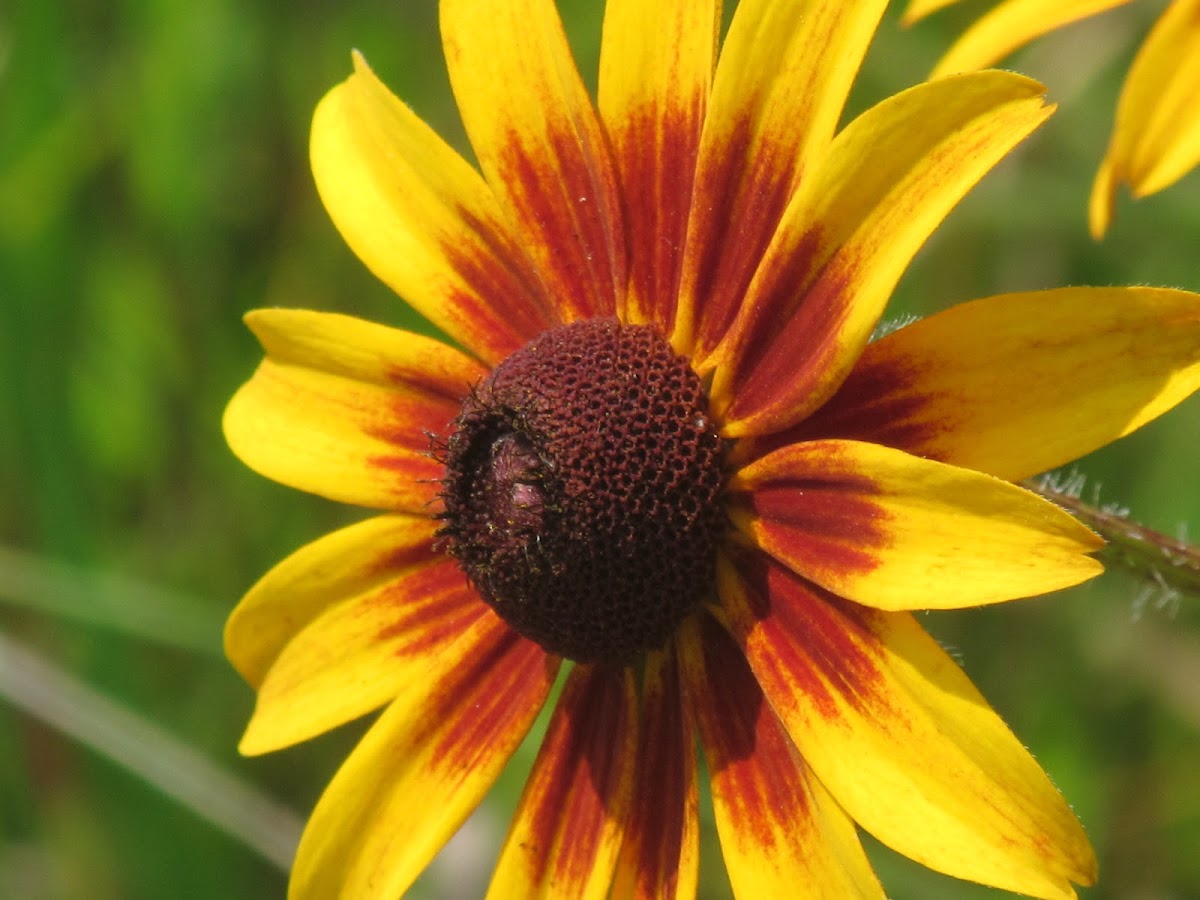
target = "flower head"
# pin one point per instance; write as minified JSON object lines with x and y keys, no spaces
{"x":1156,"y":139}
{"x":668,"y":463}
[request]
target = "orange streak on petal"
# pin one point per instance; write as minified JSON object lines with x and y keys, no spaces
{"x":660,"y":855}
{"x":540,"y":145}
{"x":899,"y":735}
{"x":781,"y":833}
{"x":824,"y":517}
{"x":781,"y":82}
{"x":1017,"y":384}
{"x":346,"y":563}
{"x":890,"y":178}
{"x":656,"y":65}
{"x":361,"y":653}
{"x":422,"y":219}
{"x":567,"y":831}
{"x":423,"y":766}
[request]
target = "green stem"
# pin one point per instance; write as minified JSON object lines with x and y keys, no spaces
{"x":1171,"y":564}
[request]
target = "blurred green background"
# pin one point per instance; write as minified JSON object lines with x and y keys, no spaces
{"x":154,"y":186}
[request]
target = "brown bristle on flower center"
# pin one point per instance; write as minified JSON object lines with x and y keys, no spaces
{"x":582,"y":491}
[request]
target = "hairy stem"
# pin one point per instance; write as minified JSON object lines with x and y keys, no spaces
{"x":1171,"y":564}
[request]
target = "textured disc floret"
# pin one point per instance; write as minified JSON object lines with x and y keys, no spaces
{"x":582,"y":490}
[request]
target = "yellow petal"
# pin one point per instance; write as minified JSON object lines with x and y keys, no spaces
{"x":1011,"y":25}
{"x":362,"y":652}
{"x":1156,"y":140}
{"x":422,"y":768}
{"x":891,"y":177}
{"x":919,"y":9}
{"x":1020,"y":383}
{"x":541,"y":147}
{"x":568,"y":828}
{"x":661,"y":854}
{"x":781,"y":833}
{"x":656,"y":63}
{"x":344,"y":408}
{"x":422,"y":219}
{"x":779,"y":89}
{"x":348,"y":563}
{"x":901,"y":738}
{"x":895,"y":531}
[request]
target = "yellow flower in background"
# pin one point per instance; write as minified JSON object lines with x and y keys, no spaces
{"x":666,"y":462}
{"x":1156,"y":138}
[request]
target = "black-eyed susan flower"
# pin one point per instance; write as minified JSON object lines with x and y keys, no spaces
{"x":1156,"y":138}
{"x":665,"y":462}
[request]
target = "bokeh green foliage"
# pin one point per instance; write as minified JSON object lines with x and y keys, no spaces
{"x":154,"y":186}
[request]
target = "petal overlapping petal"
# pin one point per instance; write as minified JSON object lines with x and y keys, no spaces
{"x":1093,"y":365}
{"x":540,"y":145}
{"x":344,"y":408}
{"x":447,"y":737}
{"x":781,"y":833}
{"x":896,"y":531}
{"x":354,"y":561}
{"x":1156,"y":140}
{"x":422,"y":219}
{"x":892,"y":176}
{"x":900,"y":737}
{"x":656,"y":64}
{"x":661,"y":854}
{"x":1009,"y":26}
{"x":568,"y":828}
{"x":781,"y":82}
{"x":361,"y":653}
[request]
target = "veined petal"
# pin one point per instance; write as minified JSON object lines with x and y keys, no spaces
{"x":1092,"y":365}
{"x":779,"y":89}
{"x":361,"y":653}
{"x":1009,"y":26}
{"x":540,"y":145}
{"x":656,"y":64}
{"x":895,"y":531}
{"x":351,"y":562}
{"x":568,"y":828}
{"x":661,"y":854}
{"x":781,"y":833}
{"x":422,"y":768}
{"x":422,"y":219}
{"x":891,"y":177}
{"x":1156,"y":140}
{"x":344,"y":408}
{"x":900,"y":737}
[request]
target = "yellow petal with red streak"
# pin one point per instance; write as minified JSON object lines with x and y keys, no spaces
{"x":891,"y":177}
{"x":422,"y":219}
{"x":541,"y":146}
{"x":661,"y":853}
{"x":781,"y":82}
{"x":568,"y":828}
{"x":896,"y":531}
{"x":355,"y":561}
{"x":781,"y":832}
{"x":362,"y":652}
{"x":901,"y":738}
{"x":656,"y":65}
{"x":344,"y":408}
{"x":417,"y":774}
{"x":1020,"y":383}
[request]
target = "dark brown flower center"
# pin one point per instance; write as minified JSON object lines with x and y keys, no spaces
{"x":582,"y":490}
